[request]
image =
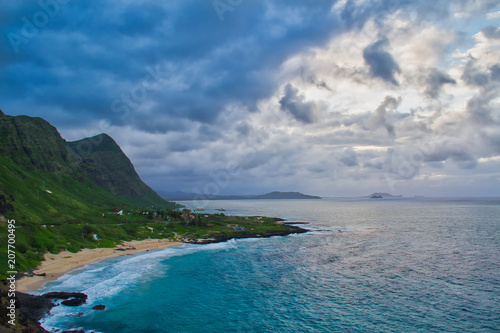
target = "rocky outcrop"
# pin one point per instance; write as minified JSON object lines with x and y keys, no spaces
{"x":64,"y":295}
{"x":73,"y":302}
{"x":32,"y":308}
{"x":70,"y":299}
{"x":224,"y":238}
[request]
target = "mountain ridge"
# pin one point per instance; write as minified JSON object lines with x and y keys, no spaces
{"x":178,"y":195}
{"x":105,"y":164}
{"x":20,"y":141}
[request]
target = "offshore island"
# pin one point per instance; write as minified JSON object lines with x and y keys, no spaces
{"x":73,"y":203}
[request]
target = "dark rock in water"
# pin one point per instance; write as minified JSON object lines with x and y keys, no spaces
{"x":71,"y":299}
{"x":99,"y":307}
{"x":74,"y":331}
{"x":74,"y":301}
{"x":64,"y":295}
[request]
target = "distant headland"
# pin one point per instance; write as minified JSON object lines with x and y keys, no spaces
{"x":378,"y":195}
{"x":183,"y":196}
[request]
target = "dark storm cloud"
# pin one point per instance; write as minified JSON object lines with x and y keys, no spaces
{"x":453,"y":151}
{"x":380,"y":62}
{"x":188,"y":87}
{"x":434,"y":81}
{"x":91,"y":53}
{"x":140,"y":19}
{"x":295,"y":104}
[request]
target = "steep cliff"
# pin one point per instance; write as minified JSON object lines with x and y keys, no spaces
{"x":44,"y":178}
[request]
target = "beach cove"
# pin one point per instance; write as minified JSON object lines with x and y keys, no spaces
{"x":56,"y":265}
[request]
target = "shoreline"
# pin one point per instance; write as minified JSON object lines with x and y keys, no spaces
{"x":57,"y":265}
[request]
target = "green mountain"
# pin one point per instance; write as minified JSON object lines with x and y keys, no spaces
{"x":34,"y":144}
{"x":104,"y":163}
{"x":43,"y":178}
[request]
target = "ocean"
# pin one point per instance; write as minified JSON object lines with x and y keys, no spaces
{"x":368,"y":265}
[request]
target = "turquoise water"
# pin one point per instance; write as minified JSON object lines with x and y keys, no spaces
{"x":409,"y":265}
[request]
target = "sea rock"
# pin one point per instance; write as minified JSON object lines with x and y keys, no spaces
{"x":99,"y":307}
{"x":74,"y":331}
{"x":74,"y":301}
{"x":64,"y":295}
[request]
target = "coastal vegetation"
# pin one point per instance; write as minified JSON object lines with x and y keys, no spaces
{"x":33,"y":239}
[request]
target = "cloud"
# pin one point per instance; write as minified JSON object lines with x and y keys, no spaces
{"x":325,"y":97}
{"x":380,"y":61}
{"x":491,"y":32}
{"x":383,"y":114}
{"x":455,"y":150}
{"x":294,"y":104}
{"x":493,"y":15}
{"x":349,"y":157}
{"x":140,"y":19}
{"x":103,"y":50}
{"x":495,"y":72}
{"x":434,"y":81}
{"x":473,"y":75}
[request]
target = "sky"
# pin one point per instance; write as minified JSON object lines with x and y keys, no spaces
{"x":331,"y":98}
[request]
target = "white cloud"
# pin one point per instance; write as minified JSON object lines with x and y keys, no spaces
{"x":493,"y":15}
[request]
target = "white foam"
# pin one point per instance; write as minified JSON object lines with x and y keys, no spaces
{"x":107,"y":278}
{"x":122,"y":271}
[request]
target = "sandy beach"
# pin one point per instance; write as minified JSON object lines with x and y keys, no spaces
{"x":56,"y":265}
